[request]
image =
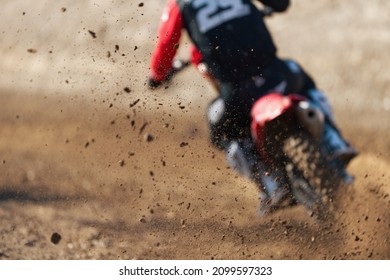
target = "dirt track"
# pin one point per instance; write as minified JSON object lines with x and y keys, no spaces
{"x":76,"y":162}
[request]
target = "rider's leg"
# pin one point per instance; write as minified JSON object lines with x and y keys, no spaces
{"x":299,"y":81}
{"x":242,"y":155}
{"x":334,"y":141}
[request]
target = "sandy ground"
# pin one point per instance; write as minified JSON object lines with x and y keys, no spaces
{"x":95,"y":166}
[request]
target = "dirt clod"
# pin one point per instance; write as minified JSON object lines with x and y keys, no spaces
{"x":55,"y":238}
{"x":148,"y":137}
{"x":92,"y":33}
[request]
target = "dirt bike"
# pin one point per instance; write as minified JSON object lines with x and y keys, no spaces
{"x":289,"y":133}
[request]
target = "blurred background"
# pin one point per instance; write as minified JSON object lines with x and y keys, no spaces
{"x":111,"y":170}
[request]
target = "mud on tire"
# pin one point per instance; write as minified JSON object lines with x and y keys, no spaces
{"x":313,"y":180}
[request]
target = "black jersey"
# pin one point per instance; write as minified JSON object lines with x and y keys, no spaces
{"x":230,"y":34}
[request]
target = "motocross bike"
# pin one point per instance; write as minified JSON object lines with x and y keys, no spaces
{"x":290,"y":133}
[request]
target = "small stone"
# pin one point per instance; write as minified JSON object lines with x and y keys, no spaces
{"x":357,"y":238}
{"x":55,"y":238}
{"x":148,"y":137}
{"x":183,"y":144}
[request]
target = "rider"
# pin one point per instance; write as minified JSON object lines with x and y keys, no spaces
{"x":237,"y":48}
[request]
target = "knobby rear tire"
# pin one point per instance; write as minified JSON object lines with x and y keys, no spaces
{"x":313,"y":180}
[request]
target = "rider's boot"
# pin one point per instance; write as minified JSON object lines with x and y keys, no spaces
{"x":244,"y":158}
{"x":337,"y":146}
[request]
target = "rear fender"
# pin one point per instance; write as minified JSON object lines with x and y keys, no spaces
{"x":267,"y":109}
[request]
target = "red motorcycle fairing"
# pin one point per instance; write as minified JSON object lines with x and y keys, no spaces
{"x":268,"y":108}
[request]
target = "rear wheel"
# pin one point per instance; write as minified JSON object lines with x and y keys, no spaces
{"x":313,"y":179}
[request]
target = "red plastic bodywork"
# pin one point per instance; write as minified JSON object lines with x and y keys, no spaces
{"x":266,"y":109}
